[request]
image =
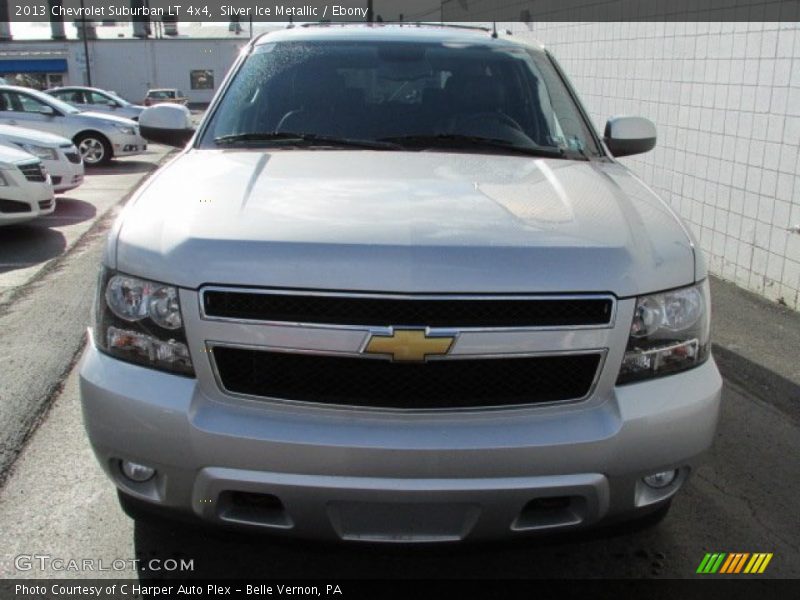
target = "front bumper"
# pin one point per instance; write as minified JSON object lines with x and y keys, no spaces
{"x":36,"y":198}
{"x":65,"y":175}
{"x":128,"y":145}
{"x":394,"y":477}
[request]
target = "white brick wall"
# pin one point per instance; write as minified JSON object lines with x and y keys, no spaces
{"x":725,"y":98}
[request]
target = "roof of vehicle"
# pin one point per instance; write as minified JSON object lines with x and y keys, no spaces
{"x":26,"y":90}
{"x":416,"y":32}
{"x":163,"y":90}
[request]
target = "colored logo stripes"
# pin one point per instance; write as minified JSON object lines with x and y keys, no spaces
{"x":734,"y":562}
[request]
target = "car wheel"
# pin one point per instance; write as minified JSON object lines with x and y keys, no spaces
{"x":94,"y":148}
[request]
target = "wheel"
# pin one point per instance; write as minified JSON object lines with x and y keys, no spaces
{"x":95,"y":149}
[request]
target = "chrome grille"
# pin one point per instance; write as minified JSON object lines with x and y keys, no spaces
{"x":439,"y":384}
{"x":33,"y":172}
{"x":425,"y":311}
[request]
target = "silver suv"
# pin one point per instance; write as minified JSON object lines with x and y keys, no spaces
{"x":396,"y":288}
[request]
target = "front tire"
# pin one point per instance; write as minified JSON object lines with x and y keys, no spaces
{"x":94,"y":148}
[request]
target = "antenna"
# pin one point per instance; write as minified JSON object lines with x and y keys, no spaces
{"x":494,"y":29}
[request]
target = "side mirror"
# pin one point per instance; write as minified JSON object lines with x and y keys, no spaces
{"x":47,"y":110}
{"x":168,"y":124}
{"x":629,"y":135}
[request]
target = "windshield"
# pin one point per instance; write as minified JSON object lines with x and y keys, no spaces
{"x":414,"y":95}
{"x":117,"y":99}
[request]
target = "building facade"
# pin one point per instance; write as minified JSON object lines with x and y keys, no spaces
{"x":725,"y":98}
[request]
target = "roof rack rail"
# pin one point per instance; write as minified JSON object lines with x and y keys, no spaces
{"x":400,"y":23}
{"x":450,"y":25}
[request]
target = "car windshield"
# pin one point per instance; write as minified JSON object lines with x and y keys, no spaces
{"x":418,"y":96}
{"x":161,"y":94}
{"x":115,"y":98}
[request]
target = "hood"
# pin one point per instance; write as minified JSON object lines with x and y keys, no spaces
{"x":111,"y":119}
{"x":11,"y":155}
{"x":402,"y":222}
{"x":21,"y":135}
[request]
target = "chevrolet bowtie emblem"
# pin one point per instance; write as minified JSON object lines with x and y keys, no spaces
{"x":409,"y":345}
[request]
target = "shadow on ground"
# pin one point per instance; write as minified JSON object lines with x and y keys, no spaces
{"x":35,"y":242}
{"x":122,"y":167}
{"x":622,"y":551}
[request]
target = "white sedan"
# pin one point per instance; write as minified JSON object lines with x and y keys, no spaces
{"x":59,"y":155}
{"x":25,"y":189}
{"x":99,"y":137}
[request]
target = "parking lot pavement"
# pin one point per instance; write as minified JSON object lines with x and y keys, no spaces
{"x":58,"y":503}
{"x":46,"y":291}
{"x":27,"y":248}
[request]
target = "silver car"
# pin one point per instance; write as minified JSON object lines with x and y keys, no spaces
{"x":25,"y":188}
{"x":58,"y":155}
{"x":397,"y":289}
{"x":97,"y":100}
{"x":99,"y":137}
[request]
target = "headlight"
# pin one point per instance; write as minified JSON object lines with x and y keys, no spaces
{"x":139,"y":321}
{"x":126,"y":129}
{"x":669,"y":333}
{"x":39,"y":151}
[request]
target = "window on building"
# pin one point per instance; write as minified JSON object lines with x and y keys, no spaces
{"x":202,"y":79}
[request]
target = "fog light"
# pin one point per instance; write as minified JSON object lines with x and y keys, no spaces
{"x":136,"y":472}
{"x":661,"y":480}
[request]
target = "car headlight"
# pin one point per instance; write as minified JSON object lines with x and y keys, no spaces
{"x":127,"y":130}
{"x":140,"y":321}
{"x":670,"y":333}
{"x":39,"y":151}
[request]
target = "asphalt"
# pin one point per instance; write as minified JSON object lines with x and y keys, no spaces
{"x":48,"y":280}
{"x":57,"y":502}
{"x":757,"y":345}
{"x":743,"y":499}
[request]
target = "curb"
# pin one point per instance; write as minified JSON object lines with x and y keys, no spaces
{"x":761,"y":382}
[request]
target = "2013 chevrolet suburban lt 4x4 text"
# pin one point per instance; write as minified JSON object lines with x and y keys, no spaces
{"x":396,"y":288}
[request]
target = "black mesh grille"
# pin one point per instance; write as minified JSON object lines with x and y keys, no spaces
{"x":338,"y":310}
{"x":382,"y":384}
{"x":12,"y":206}
{"x":33,"y":172}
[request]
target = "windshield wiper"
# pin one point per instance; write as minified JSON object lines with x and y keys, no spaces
{"x":451,"y":140}
{"x":305,"y":139}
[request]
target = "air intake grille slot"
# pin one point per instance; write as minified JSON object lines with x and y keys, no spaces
{"x":375,"y":383}
{"x":12,"y":206}
{"x":33,"y":172}
{"x":423,"y":312}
